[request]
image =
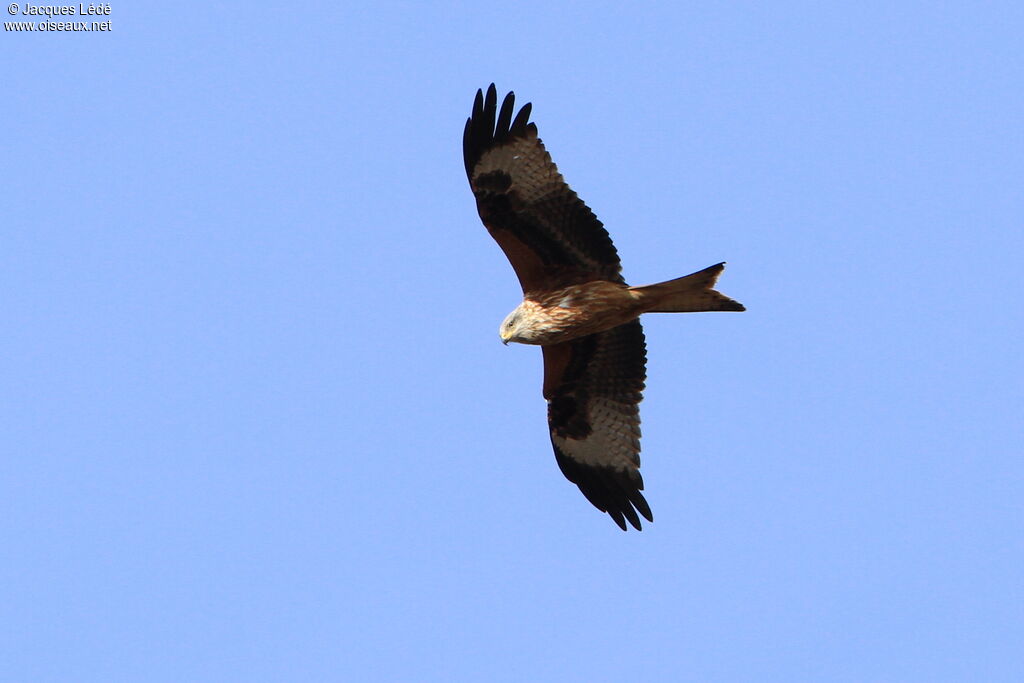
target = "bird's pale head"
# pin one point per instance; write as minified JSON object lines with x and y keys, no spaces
{"x":517,"y":327}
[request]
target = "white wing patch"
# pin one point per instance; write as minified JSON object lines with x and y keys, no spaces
{"x":614,"y":440}
{"x":533,"y":174}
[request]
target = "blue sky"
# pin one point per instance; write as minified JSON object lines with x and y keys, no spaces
{"x":259,"y":425}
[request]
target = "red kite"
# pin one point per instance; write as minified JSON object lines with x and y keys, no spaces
{"x":576,"y":306}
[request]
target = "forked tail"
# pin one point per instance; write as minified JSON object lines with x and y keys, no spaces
{"x":689,"y":294}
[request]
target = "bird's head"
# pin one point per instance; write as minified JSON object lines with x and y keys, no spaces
{"x":515,"y":328}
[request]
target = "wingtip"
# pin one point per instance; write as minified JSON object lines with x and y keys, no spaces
{"x":489,"y":125}
{"x":522,"y":121}
{"x":618,"y":519}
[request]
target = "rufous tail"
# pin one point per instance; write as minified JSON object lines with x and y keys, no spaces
{"x":689,"y":294}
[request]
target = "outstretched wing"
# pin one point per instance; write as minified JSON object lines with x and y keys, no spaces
{"x":548,"y":234}
{"x":593,"y":385}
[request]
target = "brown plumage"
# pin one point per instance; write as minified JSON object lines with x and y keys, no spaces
{"x":576,"y":305}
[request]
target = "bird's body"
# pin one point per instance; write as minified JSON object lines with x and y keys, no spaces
{"x":576,"y":305}
{"x":564,"y":314}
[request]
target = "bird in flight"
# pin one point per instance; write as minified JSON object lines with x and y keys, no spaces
{"x":576,"y":305}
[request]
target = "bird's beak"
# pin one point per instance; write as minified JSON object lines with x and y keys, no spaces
{"x":504,"y":341}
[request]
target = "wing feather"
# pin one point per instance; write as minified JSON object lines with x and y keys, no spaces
{"x":549,"y":235}
{"x":593,"y":386}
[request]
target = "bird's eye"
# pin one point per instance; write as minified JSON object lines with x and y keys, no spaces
{"x":509,"y":324}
